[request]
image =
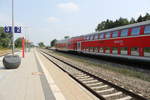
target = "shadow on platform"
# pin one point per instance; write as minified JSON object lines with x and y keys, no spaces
{"x":3,"y":68}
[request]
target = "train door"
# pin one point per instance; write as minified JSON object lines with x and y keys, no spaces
{"x":78,"y":46}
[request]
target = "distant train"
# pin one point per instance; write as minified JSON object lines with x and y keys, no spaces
{"x":129,"y":41}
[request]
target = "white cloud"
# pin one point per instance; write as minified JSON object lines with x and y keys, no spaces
{"x":53,"y":20}
{"x":68,"y":7}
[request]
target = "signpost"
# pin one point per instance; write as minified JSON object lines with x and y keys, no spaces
{"x":12,"y":61}
{"x":13,"y":44}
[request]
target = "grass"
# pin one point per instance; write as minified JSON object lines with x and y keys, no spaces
{"x":124,"y":71}
{"x":4,"y":51}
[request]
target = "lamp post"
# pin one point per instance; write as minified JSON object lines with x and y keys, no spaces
{"x":26,"y":37}
{"x":12,"y":61}
{"x":13,"y":44}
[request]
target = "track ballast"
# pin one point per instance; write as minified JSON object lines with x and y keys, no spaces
{"x":101,"y":88}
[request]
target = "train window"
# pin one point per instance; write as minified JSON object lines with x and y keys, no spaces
{"x":91,"y":37}
{"x":91,"y":49}
{"x":147,"y":51}
{"x":115,"y":34}
{"x":124,"y":50}
{"x":101,"y":50}
{"x":101,"y":35}
{"x":96,"y":37}
{"x":96,"y":49}
{"x":135,"y":51}
{"x":135,"y":31}
{"x":107,"y":35}
{"x":85,"y":38}
{"x":124,"y":33}
{"x":114,"y":50}
{"x":147,"y":29}
{"x":107,"y":50}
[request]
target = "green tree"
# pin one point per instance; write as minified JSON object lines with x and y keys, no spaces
{"x":111,"y":24}
{"x":140,"y":19}
{"x":120,"y":22}
{"x":41,"y":44}
{"x":18,"y":42}
{"x":132,"y":21}
{"x":146,"y":17}
{"x":108,"y":24}
{"x":5,"y":38}
{"x":100,"y":26}
{"x":53,"y":42}
{"x":66,"y":37}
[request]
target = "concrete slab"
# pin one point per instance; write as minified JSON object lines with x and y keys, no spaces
{"x":28,"y":82}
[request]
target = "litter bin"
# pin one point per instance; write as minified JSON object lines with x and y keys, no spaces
{"x":11,"y":61}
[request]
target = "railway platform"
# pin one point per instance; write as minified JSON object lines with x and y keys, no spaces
{"x":39,"y":79}
{"x":25,"y":83}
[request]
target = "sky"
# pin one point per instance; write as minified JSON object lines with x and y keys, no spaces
{"x":45,"y":20}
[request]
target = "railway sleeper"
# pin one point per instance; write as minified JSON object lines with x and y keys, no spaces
{"x":74,"y":72}
{"x":95,"y":84}
{"x":88,"y":82}
{"x":105,"y":90}
{"x":114,"y":95}
{"x":77,"y":72}
{"x":118,"y":97}
{"x":86,"y":79}
{"x":125,"y":98}
{"x":80,"y":75}
{"x":83,"y":77}
{"x":99,"y":87}
{"x":109,"y":92}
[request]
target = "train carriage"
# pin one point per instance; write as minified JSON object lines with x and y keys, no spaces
{"x":73,"y":43}
{"x":121,"y":40}
{"x":129,"y":40}
{"x":62,"y":45}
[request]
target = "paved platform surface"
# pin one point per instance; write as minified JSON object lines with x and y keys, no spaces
{"x":39,"y":79}
{"x":28,"y":82}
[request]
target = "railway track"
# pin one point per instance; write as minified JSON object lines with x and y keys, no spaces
{"x":101,"y":88}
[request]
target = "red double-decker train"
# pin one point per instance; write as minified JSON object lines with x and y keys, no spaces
{"x":129,"y":41}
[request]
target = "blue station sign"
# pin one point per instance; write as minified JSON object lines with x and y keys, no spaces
{"x":8,"y":29}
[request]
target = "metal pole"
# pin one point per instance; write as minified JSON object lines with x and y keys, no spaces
{"x":26,"y":39}
{"x":23,"y":47}
{"x":13,"y":27}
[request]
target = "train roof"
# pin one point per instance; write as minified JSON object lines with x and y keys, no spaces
{"x":62,"y":41}
{"x":111,"y":30}
{"x":122,"y":27}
